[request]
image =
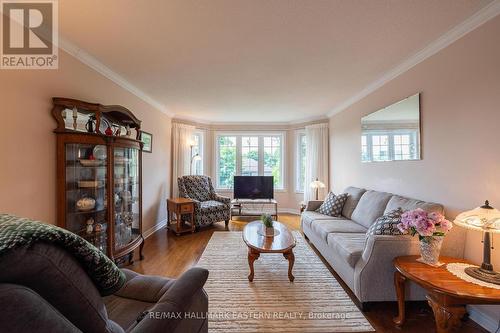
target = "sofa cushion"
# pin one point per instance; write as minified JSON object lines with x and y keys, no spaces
{"x":212,"y":205}
{"x":370,"y":207}
{"x":411,"y":204}
{"x":338,"y":225}
{"x":309,"y":216}
{"x":353,"y":196}
{"x":348,"y":246}
{"x":333,"y":204}
{"x":326,"y":207}
{"x":195,"y":187}
{"x":125,"y":311}
{"x":386,"y":224}
{"x":60,"y":279}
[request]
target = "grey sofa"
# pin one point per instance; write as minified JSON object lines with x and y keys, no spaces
{"x":44,"y":289}
{"x":365,"y":263}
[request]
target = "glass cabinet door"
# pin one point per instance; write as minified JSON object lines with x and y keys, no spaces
{"x":86,"y":198}
{"x":126,"y":196}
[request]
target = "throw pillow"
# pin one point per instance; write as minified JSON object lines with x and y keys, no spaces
{"x":386,"y":224}
{"x":333,"y":204}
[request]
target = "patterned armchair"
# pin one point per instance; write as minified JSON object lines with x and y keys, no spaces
{"x":208,"y":206}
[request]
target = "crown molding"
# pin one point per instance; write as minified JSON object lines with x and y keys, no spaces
{"x":201,"y":121}
{"x":479,"y":18}
{"x":92,"y":62}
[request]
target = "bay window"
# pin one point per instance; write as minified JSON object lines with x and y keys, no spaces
{"x":300,"y":166}
{"x":197,"y":141}
{"x":249,"y":155}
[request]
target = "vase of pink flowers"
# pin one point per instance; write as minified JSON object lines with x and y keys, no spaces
{"x":430,"y":228}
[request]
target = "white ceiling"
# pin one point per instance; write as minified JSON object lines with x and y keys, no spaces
{"x":256,"y":60}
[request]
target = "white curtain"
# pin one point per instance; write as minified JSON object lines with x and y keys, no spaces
{"x":181,"y":138}
{"x":316,"y":160}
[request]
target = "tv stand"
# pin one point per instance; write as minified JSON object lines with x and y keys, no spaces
{"x":254,"y":207}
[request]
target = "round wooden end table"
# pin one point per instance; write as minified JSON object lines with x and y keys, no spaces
{"x":283,"y":243}
{"x":447,"y":294}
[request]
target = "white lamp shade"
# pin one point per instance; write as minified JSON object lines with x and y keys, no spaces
{"x":317,"y":184}
{"x":480,"y":218}
{"x":196,"y":157}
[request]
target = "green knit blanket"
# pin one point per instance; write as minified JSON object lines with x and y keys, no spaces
{"x":16,"y":232}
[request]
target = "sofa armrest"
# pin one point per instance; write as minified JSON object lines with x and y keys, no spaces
{"x":163,"y":317}
{"x":220,"y":198}
{"x":374,"y":272}
{"x":313,"y":205}
{"x":197,"y":203}
{"x":23,"y":310}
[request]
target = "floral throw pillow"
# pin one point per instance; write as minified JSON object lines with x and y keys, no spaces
{"x":333,"y":204}
{"x":386,"y":224}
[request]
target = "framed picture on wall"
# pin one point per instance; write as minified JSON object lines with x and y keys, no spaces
{"x":147,"y":140}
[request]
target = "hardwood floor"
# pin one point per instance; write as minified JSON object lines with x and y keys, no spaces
{"x":169,"y":255}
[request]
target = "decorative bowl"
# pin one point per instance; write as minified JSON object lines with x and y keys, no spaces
{"x":100,"y":152}
{"x":85,"y":204}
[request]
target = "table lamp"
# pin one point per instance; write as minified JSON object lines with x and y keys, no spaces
{"x":317,"y":185}
{"x":486,"y":219}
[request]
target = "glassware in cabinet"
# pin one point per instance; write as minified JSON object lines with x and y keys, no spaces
{"x":86,"y":193}
{"x":126,"y":196}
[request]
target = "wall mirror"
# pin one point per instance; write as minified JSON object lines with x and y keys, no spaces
{"x":392,"y":133}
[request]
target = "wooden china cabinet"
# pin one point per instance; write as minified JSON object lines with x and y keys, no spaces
{"x":99,"y":168}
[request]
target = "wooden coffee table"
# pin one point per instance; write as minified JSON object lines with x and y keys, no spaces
{"x":257,"y":244}
{"x":447,"y":294}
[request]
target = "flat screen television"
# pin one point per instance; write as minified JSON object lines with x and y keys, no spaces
{"x":253,"y":187}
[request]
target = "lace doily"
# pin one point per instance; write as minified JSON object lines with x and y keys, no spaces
{"x":458,"y":269}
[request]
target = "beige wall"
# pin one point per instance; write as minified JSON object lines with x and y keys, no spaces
{"x":28,"y":153}
{"x":460,"y":113}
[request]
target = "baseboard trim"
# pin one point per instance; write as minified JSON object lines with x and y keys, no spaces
{"x":487,"y":322}
{"x":155,"y":228}
{"x":289,"y":211}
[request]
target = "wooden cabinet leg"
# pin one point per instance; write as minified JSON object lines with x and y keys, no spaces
{"x":252,"y":256}
{"x":141,"y":247}
{"x":192,"y":223}
{"x":178,"y":222}
{"x":291,"y":260}
{"x":399,"y":284}
{"x":168,"y":219}
{"x":448,"y":317}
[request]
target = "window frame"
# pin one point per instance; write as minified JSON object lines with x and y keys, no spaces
{"x":201,"y":151}
{"x":299,"y":134}
{"x":391,"y":157}
{"x":238,"y":163}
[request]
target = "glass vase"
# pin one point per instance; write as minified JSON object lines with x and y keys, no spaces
{"x":430,"y":247}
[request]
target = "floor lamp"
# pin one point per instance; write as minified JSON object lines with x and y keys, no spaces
{"x":195,"y":157}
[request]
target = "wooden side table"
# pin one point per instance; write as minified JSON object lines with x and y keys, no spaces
{"x":179,"y":207}
{"x":447,"y":294}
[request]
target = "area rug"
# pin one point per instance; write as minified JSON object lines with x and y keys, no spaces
{"x":314,"y":302}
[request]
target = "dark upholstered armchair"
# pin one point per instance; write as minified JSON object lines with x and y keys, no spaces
{"x":208,"y":206}
{"x":44,"y":289}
